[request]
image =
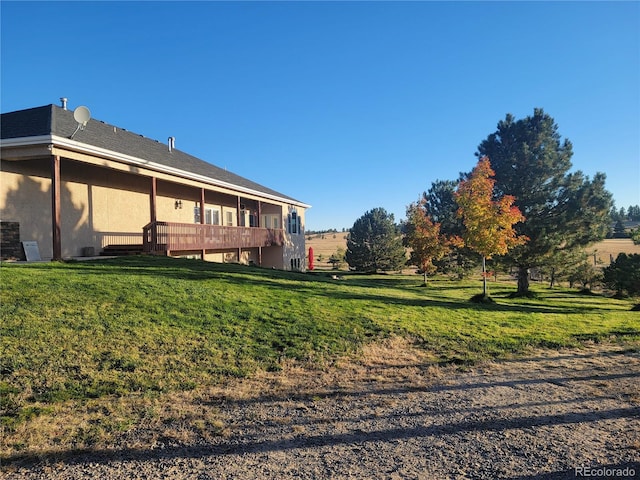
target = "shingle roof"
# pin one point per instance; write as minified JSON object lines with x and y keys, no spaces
{"x":53,"y":120}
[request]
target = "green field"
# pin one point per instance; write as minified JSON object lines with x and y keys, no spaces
{"x":73,"y":333}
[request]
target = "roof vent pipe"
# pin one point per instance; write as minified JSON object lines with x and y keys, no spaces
{"x":63,"y":100}
{"x":172,"y":143}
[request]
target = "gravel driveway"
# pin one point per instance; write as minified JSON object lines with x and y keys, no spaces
{"x":390,"y":415}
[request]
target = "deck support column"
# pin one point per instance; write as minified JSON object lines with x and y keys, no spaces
{"x":204,"y":251}
{"x":153,"y":193}
{"x":259,"y":224}
{"x":238,"y":224}
{"x":55,"y":208}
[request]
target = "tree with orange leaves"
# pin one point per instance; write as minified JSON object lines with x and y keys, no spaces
{"x":488,"y":223}
{"x":423,"y":237}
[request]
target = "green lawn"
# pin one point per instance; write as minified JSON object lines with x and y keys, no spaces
{"x":150,"y":325}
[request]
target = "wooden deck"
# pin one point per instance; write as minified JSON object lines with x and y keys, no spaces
{"x":164,"y":237}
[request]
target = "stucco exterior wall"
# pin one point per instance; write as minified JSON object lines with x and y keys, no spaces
{"x":25,"y":197}
{"x":105,"y":207}
{"x":98,"y":207}
{"x":102,"y":205}
{"x":294,"y":255}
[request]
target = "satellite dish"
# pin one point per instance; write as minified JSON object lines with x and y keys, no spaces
{"x":82,"y":116}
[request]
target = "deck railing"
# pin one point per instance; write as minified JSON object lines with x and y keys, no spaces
{"x":162,"y":237}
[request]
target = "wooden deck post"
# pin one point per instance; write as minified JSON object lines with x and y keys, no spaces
{"x":238,"y":224}
{"x":259,"y":224}
{"x":204,"y":251}
{"x":152,"y":199}
{"x":55,"y":207}
{"x":152,"y":214}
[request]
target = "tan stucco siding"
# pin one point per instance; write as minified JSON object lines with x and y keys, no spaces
{"x":97,"y":206}
{"x":25,"y":197}
{"x":294,"y":249}
{"x":101,"y":207}
{"x":106,"y":202}
{"x":294,"y":255}
{"x":162,"y":176}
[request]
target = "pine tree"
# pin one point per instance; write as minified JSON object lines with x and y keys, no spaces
{"x":562,"y":210}
{"x":374,"y":243}
{"x":623,"y":275}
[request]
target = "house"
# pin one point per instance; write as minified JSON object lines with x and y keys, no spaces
{"x":81,"y":189}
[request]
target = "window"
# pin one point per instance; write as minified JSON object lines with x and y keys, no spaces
{"x":211,"y":216}
{"x":229,"y":219}
{"x":293,"y":223}
{"x":271,"y":221}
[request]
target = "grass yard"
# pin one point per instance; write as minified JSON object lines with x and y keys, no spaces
{"x":91,"y":336}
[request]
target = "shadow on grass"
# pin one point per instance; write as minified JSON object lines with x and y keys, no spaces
{"x":354,"y":286}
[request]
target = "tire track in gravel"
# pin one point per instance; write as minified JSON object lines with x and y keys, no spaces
{"x":539,"y":417}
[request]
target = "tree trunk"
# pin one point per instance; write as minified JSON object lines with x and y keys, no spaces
{"x":523,"y":281}
{"x":484,"y":277}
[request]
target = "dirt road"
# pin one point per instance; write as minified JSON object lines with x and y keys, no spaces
{"x":391,"y":416}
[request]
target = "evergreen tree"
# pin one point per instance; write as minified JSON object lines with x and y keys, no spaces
{"x":619,"y":230}
{"x":586,"y":274}
{"x":623,"y":275}
{"x":440,"y":205}
{"x":633,"y":213}
{"x":375,"y":244}
{"x":562,"y":210}
{"x":337,"y":258}
{"x":622,"y":214}
{"x":564,"y":265}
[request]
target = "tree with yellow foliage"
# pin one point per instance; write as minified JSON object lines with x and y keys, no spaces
{"x":488,"y":222}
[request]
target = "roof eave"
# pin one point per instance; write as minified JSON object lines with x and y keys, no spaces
{"x":128,"y":159}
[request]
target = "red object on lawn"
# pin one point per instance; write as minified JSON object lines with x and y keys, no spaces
{"x":310,"y":258}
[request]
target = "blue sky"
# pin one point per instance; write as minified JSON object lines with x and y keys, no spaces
{"x":346,"y":106}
